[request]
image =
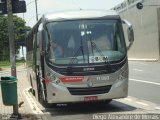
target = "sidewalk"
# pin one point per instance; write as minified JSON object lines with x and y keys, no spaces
{"x":25,"y":110}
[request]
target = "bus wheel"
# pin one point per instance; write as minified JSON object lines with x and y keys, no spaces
{"x":31,"y":89}
{"x":46,"y":104}
{"x":106,"y":101}
{"x":43,"y":102}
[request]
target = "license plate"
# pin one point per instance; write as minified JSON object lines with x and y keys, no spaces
{"x":90,"y":98}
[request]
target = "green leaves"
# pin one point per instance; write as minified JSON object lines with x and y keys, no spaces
{"x":19,"y":29}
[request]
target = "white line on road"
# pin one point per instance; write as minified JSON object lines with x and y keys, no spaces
{"x":128,"y":99}
{"x":138,"y":70}
{"x":139,"y":103}
{"x":142,"y":103}
{"x":157,"y":108}
{"x":154,"y":83}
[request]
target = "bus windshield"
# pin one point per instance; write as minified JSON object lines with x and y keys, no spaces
{"x":85,"y":41}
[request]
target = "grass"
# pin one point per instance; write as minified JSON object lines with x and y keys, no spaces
{"x":6,"y":64}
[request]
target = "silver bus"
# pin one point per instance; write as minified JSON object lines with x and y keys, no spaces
{"x":78,"y":56}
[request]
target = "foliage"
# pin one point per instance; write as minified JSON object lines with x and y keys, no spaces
{"x":19,"y":30}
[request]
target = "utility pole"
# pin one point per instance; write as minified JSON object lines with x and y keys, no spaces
{"x":12,"y":46}
{"x":36,"y":10}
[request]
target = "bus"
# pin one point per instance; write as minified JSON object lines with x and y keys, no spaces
{"x":78,"y":56}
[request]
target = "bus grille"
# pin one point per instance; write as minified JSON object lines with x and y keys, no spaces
{"x":89,"y":90}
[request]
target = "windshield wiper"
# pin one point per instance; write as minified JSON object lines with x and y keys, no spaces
{"x":75,"y":55}
{"x":106,"y":59}
{"x":93,"y":45}
{"x":69,"y":68}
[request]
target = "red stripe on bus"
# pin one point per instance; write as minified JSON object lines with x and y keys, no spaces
{"x":72,"y":79}
{"x":46,"y":81}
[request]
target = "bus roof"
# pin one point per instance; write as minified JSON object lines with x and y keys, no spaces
{"x":81,"y":14}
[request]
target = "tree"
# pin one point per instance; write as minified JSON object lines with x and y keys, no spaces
{"x":3,"y":38}
{"x":19,"y":29}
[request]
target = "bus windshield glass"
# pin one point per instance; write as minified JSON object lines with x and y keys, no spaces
{"x":85,"y":41}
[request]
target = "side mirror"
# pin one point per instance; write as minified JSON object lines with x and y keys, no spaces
{"x":130,"y":33}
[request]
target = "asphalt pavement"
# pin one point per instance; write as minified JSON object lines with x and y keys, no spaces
{"x":144,"y":80}
{"x":143,"y":99}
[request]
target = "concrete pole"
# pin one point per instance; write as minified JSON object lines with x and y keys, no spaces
{"x":36,"y":10}
{"x":12,"y":46}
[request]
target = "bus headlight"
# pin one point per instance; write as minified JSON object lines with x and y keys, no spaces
{"x":123,"y":75}
{"x":55,"y":80}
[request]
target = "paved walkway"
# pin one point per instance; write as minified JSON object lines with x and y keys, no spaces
{"x":25,"y":110}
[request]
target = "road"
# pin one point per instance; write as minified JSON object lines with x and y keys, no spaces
{"x":145,"y":80}
{"x":143,"y":98}
{"x":88,"y":111}
{"x":144,"y":87}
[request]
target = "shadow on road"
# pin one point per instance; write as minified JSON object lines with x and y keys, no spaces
{"x":89,"y":108}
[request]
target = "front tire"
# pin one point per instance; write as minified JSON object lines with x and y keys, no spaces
{"x":105,"y":102}
{"x":32,"y":89}
{"x":43,"y":102}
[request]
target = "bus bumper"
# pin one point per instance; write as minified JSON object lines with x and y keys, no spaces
{"x":60,"y":94}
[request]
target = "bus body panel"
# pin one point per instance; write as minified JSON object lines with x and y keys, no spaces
{"x":56,"y":86}
{"x":58,"y":93}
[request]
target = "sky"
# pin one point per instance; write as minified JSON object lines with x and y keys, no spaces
{"x":48,"y":6}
